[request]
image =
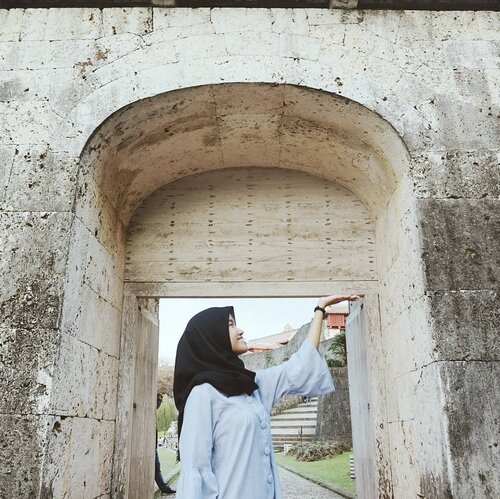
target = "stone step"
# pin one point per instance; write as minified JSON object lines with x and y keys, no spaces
{"x":284,"y":415}
{"x":294,"y":431}
{"x":299,"y":410}
{"x":293,"y":424}
{"x":297,"y":420}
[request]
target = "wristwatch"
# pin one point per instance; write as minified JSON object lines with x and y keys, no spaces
{"x":322,"y":310}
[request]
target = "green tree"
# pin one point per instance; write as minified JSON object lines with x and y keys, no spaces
{"x":338,"y":350}
{"x":165,"y":414}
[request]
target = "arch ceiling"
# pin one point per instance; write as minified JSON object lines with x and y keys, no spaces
{"x":157,"y":140}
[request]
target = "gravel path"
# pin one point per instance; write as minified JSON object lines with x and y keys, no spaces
{"x":295,"y":487}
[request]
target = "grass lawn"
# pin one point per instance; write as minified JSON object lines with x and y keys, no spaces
{"x":167,"y":460}
{"x":334,"y":470}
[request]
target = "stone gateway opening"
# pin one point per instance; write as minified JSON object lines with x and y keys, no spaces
{"x":248,"y":190}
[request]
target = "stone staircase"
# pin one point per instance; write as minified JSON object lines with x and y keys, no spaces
{"x":294,"y":425}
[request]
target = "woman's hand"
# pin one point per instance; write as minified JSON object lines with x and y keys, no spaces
{"x":331,"y":300}
{"x":315,"y":329}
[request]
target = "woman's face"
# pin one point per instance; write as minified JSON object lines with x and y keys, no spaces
{"x":238,"y":344}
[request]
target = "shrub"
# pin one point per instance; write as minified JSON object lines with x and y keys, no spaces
{"x":334,"y":363}
{"x":315,"y":451}
{"x":165,"y":414}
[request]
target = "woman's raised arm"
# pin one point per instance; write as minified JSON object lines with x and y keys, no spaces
{"x":315,"y":329}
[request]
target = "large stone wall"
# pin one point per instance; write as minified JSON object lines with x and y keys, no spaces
{"x":334,"y":414}
{"x":429,"y":175}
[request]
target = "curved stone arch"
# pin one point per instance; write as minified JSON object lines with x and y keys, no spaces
{"x":160,"y":139}
{"x":160,"y":62}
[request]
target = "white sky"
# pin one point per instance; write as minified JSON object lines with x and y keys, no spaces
{"x":256,"y":316}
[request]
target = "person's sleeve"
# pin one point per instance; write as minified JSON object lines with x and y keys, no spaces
{"x":197,"y":480}
{"x":305,"y":373}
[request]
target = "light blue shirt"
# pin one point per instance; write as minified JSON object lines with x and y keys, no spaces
{"x":226,"y":445}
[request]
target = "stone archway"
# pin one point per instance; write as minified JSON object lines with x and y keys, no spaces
{"x":157,"y":141}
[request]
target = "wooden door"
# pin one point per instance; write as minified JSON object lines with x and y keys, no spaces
{"x":360,"y":398}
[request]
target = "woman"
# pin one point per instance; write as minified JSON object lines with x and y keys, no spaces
{"x":225,"y":441}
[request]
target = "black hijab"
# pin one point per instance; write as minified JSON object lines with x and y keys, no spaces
{"x":204,"y":355}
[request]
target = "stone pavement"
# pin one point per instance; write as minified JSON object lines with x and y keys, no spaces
{"x":295,"y":487}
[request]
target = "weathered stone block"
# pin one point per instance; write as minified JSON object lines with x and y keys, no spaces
{"x":460,"y":243}
{"x":457,"y":174}
{"x":128,"y":20}
{"x":22,"y":446}
{"x":40,"y":181}
{"x":27,"y":358}
{"x":74,"y":24}
{"x":403,"y":441}
{"x":104,"y":272}
{"x":472,"y":125}
{"x":166,"y":18}
{"x":99,"y":68}
{"x":11,"y":21}
{"x":466,"y":325}
{"x":303,"y":47}
{"x":421,"y":339}
{"x":176,"y":32}
{"x":332,"y":37}
{"x":251,"y":43}
{"x":100,"y":218}
{"x":429,"y":444}
{"x":471,"y":390}
{"x":57,"y":54}
{"x":79,"y":458}
{"x":292,"y":21}
{"x":33,"y":250}
{"x":93,"y":320}
{"x":239,"y":20}
{"x":202,"y":46}
{"x":29,"y":122}
{"x":54,"y":24}
{"x":86,"y":387}
{"x":417,"y":435}
{"x":402,"y":286}
{"x":7,"y":154}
